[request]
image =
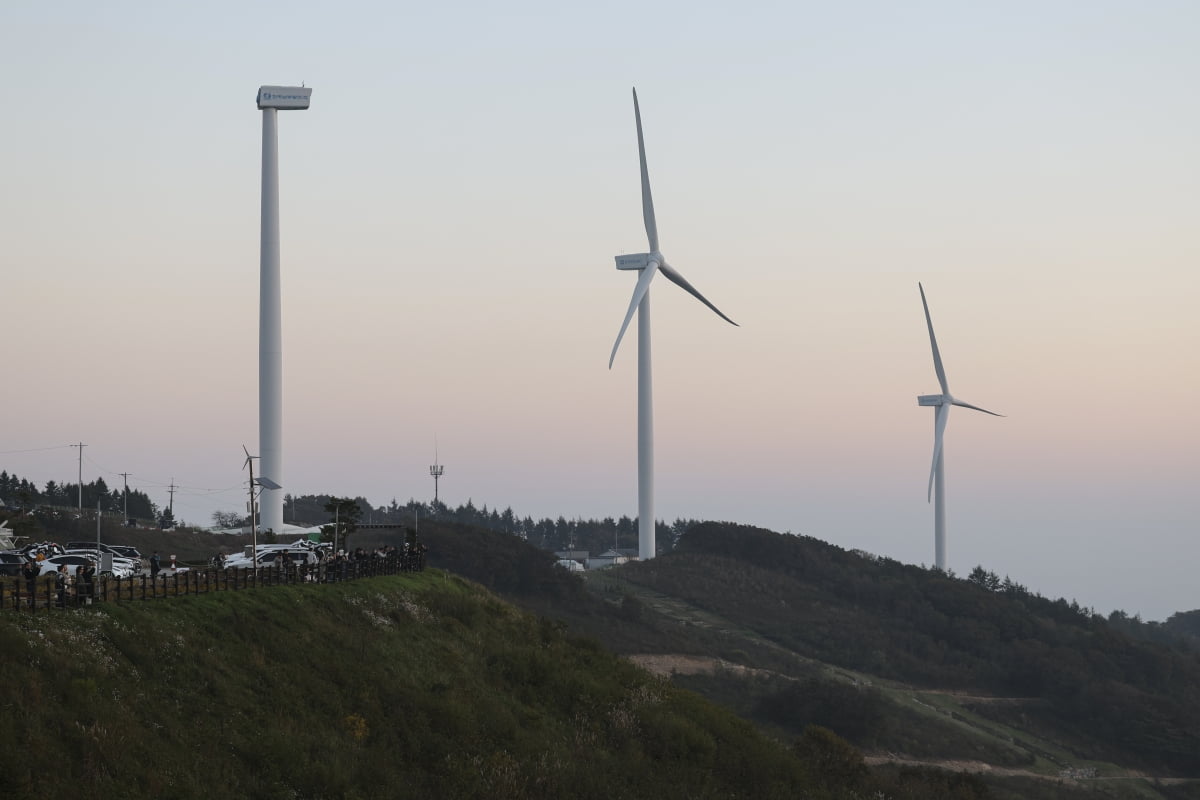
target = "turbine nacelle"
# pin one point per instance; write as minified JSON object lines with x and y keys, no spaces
{"x":638,"y":260}
{"x":931,"y":400}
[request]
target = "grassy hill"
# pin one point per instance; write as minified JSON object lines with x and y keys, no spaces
{"x":908,"y":664}
{"x":431,"y":686}
{"x":421,"y":685}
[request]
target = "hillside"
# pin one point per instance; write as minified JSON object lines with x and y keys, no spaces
{"x":421,"y":685}
{"x":1020,"y":696}
{"x":908,"y":664}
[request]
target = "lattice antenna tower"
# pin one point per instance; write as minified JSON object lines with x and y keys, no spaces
{"x":436,"y":470}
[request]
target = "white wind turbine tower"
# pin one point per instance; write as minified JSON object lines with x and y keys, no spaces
{"x":270,"y":327}
{"x":648,"y":264}
{"x":937,"y":473}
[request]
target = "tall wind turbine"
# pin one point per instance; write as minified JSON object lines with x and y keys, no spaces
{"x":648,"y":264}
{"x":937,"y":473}
{"x":270,"y":327}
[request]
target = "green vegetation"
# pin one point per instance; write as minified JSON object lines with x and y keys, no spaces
{"x":904,"y":662}
{"x":818,"y":647}
{"x":346,"y":513}
{"x":415,"y":686}
{"x":1120,"y":697}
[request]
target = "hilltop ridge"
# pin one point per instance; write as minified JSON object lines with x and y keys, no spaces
{"x":907,"y":663}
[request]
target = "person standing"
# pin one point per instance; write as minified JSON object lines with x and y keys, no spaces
{"x":60,"y":585}
{"x":30,"y":573}
{"x":85,"y":583}
{"x":155,"y":565}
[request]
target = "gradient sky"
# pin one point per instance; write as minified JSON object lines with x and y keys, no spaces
{"x":451,"y":204}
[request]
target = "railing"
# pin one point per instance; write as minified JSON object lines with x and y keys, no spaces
{"x":18,"y":594}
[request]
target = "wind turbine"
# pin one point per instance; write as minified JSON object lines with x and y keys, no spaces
{"x":937,"y":473}
{"x":253,"y":506}
{"x":272,"y":99}
{"x":649,"y":264}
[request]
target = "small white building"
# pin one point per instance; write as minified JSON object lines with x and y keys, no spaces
{"x":608,"y":558}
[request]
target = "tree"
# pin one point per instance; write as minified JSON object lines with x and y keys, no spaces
{"x":346,"y":513}
{"x":229,"y":519}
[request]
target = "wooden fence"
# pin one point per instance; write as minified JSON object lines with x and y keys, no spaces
{"x":16,"y":594}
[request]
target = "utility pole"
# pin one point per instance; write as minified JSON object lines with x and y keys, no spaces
{"x":253,"y":522}
{"x":125,"y":475}
{"x":81,"y":445}
{"x":171,"y":503}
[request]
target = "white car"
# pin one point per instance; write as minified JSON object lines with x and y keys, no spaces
{"x":268,"y":558}
{"x":121,"y":564}
{"x":74,"y":561}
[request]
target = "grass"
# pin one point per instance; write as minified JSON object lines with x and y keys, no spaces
{"x":919,"y":724}
{"x":419,"y":685}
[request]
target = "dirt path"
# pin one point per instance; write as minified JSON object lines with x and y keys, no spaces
{"x":980,"y":768}
{"x":667,"y":664}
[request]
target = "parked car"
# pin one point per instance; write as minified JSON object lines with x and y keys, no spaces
{"x":49,"y":548}
{"x":74,"y":561}
{"x":121,"y":564}
{"x":11,"y":563}
{"x":268,"y":558}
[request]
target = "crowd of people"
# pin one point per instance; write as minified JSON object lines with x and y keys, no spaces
{"x":318,"y":563}
{"x":409,"y":557}
{"x":77,"y":589}
{"x":76,"y":584}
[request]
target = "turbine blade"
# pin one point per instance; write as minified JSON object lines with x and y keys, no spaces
{"x":939,"y":433}
{"x":647,"y":200}
{"x":937,"y":356}
{"x":639,"y":291}
{"x":677,"y":279}
{"x":977,"y":408}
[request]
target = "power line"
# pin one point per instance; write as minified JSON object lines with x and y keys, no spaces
{"x":144,"y":481}
{"x":36,"y":449}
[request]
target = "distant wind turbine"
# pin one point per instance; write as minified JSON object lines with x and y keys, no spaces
{"x":937,"y":473}
{"x":648,"y":264}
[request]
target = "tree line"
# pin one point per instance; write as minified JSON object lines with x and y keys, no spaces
{"x":22,"y":494}
{"x":593,"y":535}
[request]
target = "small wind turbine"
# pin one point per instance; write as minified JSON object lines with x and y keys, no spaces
{"x":648,"y":264}
{"x":265,"y":483}
{"x":937,"y":473}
